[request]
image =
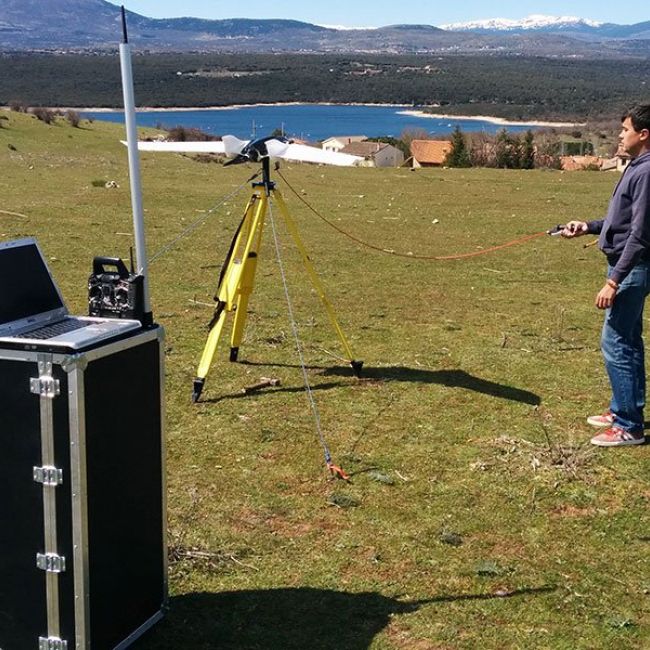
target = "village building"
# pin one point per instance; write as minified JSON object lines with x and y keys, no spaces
{"x":609,"y":165}
{"x":618,"y":163}
{"x":337,"y":142}
{"x":375,"y":154}
{"x":428,"y":153}
{"x":575,"y":163}
{"x":622,"y":161}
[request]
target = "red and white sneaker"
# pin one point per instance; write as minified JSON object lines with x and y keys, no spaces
{"x":604,"y":420}
{"x":617,"y":437}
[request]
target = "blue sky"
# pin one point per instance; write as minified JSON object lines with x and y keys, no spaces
{"x":376,"y":13}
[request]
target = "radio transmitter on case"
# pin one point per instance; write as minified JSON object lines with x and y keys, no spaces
{"x":114,"y":291}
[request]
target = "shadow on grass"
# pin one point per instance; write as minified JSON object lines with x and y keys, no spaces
{"x":270,"y":391}
{"x":245,"y":362}
{"x":452,"y":378}
{"x":287,"y":619}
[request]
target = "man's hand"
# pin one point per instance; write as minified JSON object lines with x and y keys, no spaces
{"x":605,"y":297}
{"x":574,"y":229}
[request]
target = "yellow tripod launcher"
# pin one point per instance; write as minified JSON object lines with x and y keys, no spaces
{"x":237,"y":276}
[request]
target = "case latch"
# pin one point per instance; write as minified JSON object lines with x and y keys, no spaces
{"x":51,"y":643}
{"x":48,"y":475}
{"x":45,"y":386}
{"x":50,"y":562}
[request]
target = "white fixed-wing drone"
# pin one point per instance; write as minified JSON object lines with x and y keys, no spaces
{"x":240,"y":151}
{"x":238,"y":272}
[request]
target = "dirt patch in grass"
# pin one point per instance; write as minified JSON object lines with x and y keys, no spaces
{"x":369,"y":563}
{"x":403,"y":639}
{"x":566,"y":510}
{"x":501,"y":546}
{"x":247,"y":520}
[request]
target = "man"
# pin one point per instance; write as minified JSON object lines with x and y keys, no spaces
{"x":625,"y":240}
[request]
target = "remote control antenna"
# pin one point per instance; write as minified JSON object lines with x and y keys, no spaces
{"x":134,"y":169}
{"x":125,"y":36}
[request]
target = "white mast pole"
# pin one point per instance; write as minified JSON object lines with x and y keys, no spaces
{"x":134,"y":166}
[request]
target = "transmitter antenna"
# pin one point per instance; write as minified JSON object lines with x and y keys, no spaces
{"x":134,"y":169}
{"x":125,"y":36}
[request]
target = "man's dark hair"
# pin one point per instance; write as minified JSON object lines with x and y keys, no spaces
{"x":639,"y":116}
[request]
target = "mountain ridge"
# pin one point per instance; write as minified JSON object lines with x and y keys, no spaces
{"x":54,"y":25}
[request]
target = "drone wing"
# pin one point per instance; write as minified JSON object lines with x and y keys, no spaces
{"x":304,"y":153}
{"x":233,"y":147}
{"x":209,"y":146}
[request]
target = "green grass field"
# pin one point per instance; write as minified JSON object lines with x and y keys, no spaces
{"x":478,"y":515}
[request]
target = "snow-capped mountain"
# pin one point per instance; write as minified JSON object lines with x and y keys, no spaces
{"x":533,"y":22}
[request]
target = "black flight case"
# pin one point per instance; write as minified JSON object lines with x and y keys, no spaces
{"x":83,"y":559}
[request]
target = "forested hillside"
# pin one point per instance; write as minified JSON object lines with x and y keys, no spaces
{"x":511,"y":87}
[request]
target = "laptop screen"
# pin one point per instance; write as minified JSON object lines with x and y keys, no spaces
{"x":26,"y":287}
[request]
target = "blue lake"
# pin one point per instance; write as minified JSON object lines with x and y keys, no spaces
{"x":307,"y":121}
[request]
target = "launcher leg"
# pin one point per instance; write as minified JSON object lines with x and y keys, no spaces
{"x":247,"y":284}
{"x":208,"y":354}
{"x":236,"y":282}
{"x":315,"y":280}
{"x":241,"y":313}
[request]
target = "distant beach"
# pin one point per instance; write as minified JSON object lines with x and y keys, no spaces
{"x":234,"y":107}
{"x":488,"y":118}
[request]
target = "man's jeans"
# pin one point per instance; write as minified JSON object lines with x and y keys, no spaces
{"x":622,"y":348}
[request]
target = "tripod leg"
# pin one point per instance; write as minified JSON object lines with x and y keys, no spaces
{"x":320,"y":290}
{"x":208,"y":354}
{"x":242,"y":250}
{"x":247,"y":281}
{"x":245,"y":290}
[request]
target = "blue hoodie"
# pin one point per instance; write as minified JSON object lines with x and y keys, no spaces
{"x":625,"y":231}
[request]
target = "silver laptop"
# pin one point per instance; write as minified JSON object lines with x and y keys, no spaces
{"x":32,"y":310}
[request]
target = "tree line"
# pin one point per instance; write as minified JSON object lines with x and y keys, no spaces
{"x":510,"y":87}
{"x":506,"y":150}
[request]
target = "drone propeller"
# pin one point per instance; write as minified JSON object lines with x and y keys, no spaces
{"x":240,"y":151}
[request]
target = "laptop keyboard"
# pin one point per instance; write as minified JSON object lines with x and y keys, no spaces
{"x":50,"y":331}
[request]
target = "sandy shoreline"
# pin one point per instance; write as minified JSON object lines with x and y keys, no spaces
{"x":413,"y":113}
{"x":501,"y":121}
{"x":233,"y":107}
{"x":488,"y":118}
